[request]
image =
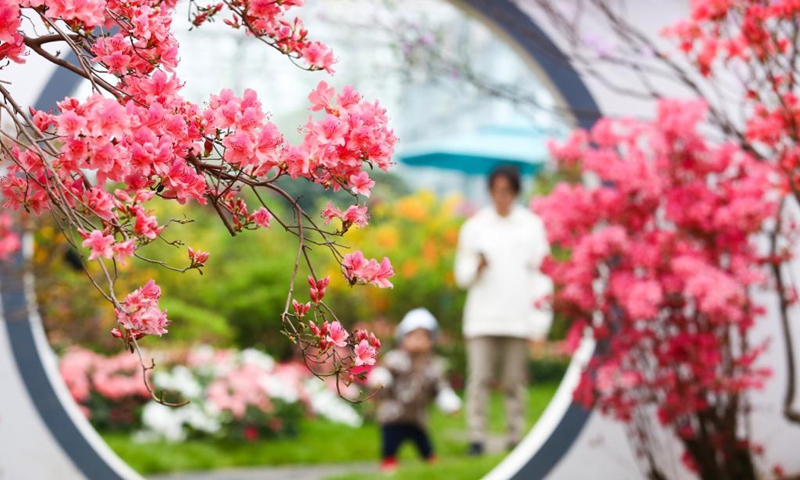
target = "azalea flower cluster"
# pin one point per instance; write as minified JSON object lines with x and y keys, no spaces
{"x":353,"y":355}
{"x":267,"y":19}
{"x":754,"y":41}
{"x":358,"y":269}
{"x":142,"y":315}
{"x":99,"y":163}
{"x":660,"y":267}
{"x":237,"y":394}
{"x":365,"y":345}
{"x":137,"y":46}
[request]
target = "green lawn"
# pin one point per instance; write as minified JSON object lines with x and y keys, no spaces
{"x":324,"y":442}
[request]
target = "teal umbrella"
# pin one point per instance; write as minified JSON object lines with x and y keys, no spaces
{"x":479,"y":152}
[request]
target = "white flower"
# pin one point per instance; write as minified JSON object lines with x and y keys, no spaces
{"x":277,"y":387}
{"x":257,"y":358}
{"x":201,"y":419}
{"x":165,"y":421}
{"x":328,"y":404}
{"x":180,"y":379}
{"x":169,"y":423}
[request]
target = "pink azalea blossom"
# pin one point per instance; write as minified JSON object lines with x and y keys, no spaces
{"x":317,"y":288}
{"x":361,"y":335}
{"x":262,"y":217}
{"x":348,"y":98}
{"x":361,"y":184}
{"x":330,"y":213}
{"x":365,"y":354}
{"x":384,"y":273}
{"x":125,"y":249}
{"x":301,"y":308}
{"x":337,"y":335}
{"x":321,"y":97}
{"x":100,"y":244}
{"x":101,"y":203}
{"x":147,"y":225}
{"x":321,"y":331}
{"x":356,"y":215}
{"x":353,"y":263}
{"x":319,"y":56}
{"x":239,"y":148}
{"x":197,"y":258}
{"x":357,"y":269}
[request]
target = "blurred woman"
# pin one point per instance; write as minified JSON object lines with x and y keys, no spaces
{"x":500,"y":250}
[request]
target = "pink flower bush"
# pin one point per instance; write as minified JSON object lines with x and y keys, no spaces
{"x":75,"y":368}
{"x":9,"y":240}
{"x":231,"y":393}
{"x":119,"y":377}
{"x":661,"y":261}
{"x":108,"y":390}
{"x":238,"y":390}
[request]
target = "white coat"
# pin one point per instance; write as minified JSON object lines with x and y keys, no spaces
{"x":501,"y":300}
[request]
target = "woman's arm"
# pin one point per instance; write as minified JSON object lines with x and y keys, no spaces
{"x":539,"y":244}
{"x":468,"y":263}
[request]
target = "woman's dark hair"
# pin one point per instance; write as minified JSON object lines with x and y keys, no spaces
{"x":509,"y":173}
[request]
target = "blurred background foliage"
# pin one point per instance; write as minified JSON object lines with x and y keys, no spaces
{"x":239,"y":298}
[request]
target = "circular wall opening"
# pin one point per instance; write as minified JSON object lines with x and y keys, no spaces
{"x":546,"y":444}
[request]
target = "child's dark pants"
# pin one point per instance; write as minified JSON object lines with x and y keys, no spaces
{"x":394,"y":434}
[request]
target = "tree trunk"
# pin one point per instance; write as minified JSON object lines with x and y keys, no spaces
{"x":728,"y":459}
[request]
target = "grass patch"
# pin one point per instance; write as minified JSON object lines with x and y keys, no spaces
{"x":324,"y":442}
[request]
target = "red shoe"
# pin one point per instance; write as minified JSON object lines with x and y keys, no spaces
{"x":388,"y":465}
{"x":432,"y":460}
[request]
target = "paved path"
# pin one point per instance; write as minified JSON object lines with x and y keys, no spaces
{"x":300,"y":472}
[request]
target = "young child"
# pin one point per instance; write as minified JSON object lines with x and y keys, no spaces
{"x":412,"y":378}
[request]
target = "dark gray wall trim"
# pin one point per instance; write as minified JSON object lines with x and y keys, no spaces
{"x":519,"y":27}
{"x":557,"y":445}
{"x":62,"y":83}
{"x":22,"y":334}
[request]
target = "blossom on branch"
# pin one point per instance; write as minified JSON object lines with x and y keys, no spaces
{"x":141,"y":313}
{"x":358,"y":269}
